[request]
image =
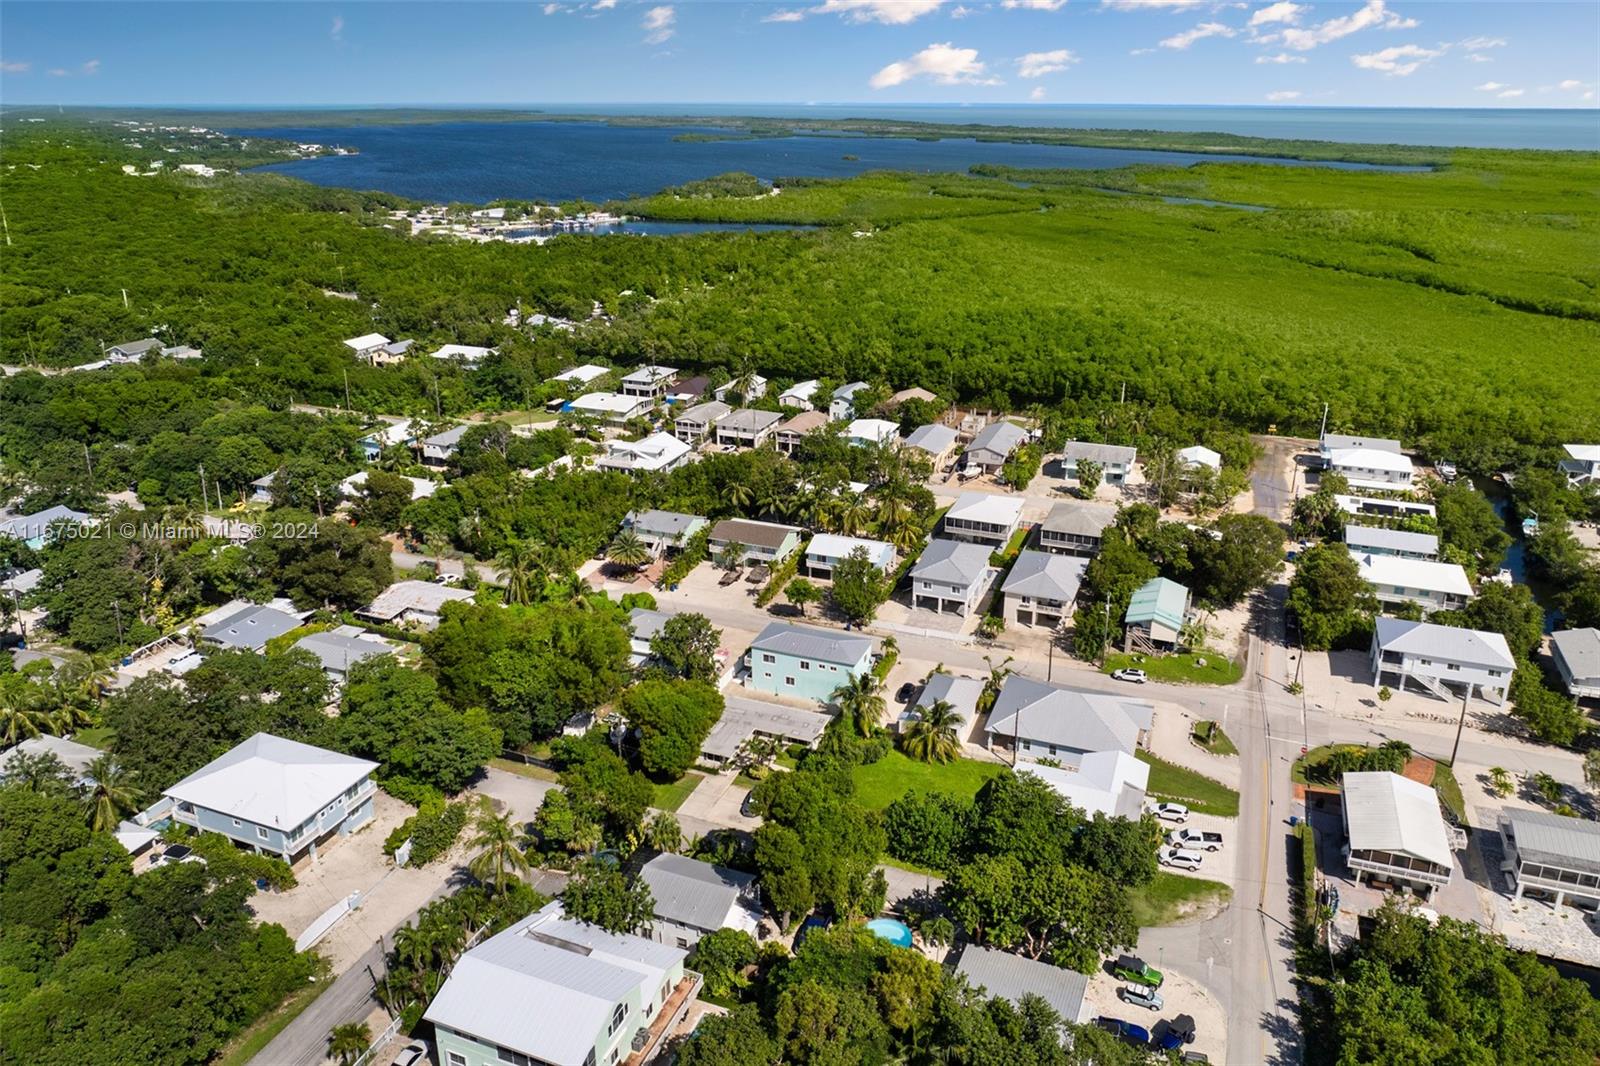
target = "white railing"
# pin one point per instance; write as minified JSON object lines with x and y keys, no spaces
{"x":378,"y":1043}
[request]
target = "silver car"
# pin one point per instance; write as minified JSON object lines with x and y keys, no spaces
{"x":1138,"y":996}
{"x":1182,"y":858}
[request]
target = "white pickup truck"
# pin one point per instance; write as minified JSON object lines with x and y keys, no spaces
{"x":1195,"y":840}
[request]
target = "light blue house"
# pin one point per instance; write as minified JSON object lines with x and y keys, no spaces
{"x":1156,"y":615}
{"x":277,"y":797}
{"x":788,"y":660}
{"x":34,"y":529}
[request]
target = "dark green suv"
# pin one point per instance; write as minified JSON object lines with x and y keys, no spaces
{"x":1134,"y":969}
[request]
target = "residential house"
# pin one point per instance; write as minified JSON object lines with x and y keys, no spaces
{"x":35,"y":530}
{"x":827,"y":550}
{"x":650,"y":382}
{"x":1396,"y":581}
{"x":842,"y":405}
{"x":764,"y":542}
{"x":1155,"y":615}
{"x":1368,"y":505}
{"x":688,"y":391}
{"x":983,"y":518}
{"x":643,"y":625}
{"x":582,"y":376}
{"x":799,"y":395}
{"x":551,"y":991}
{"x":694,"y":423}
{"x":694,"y":898}
{"x":913,"y":393}
{"x":754,"y":387}
{"x":440,"y":448}
{"x":1577,"y":656}
{"x":1374,"y":540}
{"x":1111,"y":783}
{"x":664,"y":531}
{"x":864,"y":431}
{"x":1074,"y":528}
{"x":1004,"y":975}
{"x":261,"y":488}
{"x":993,"y":445}
{"x":1340,"y":442}
{"x":367,"y":345}
{"x":1041,"y":588}
{"x":341,"y":648}
{"x":1198,"y":456}
{"x":132,"y":351}
{"x":1551,"y":854}
{"x":612,"y":407}
{"x":183,"y":352}
{"x":277,"y":797}
{"x":1394,"y":832}
{"x":747,"y":428}
{"x":416,"y":603}
{"x":468,"y":356}
{"x":390,"y":354}
{"x":961,"y":693}
{"x":790,"y":433}
{"x":1116,"y":461}
{"x":657,"y":453}
{"x":743,"y":719}
{"x":950,"y":576}
{"x":789,"y":660}
{"x":356,"y":486}
{"x":1039,"y":721}
{"x":392,"y":433}
{"x":1372,"y":468}
{"x":1441,"y":658}
{"x":74,"y":756}
{"x":937,"y":441}
{"x":21,"y":582}
{"x":1582,"y":464}
{"x":250,"y":627}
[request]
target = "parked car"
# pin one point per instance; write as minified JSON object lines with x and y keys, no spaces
{"x":447,"y":579}
{"x":1170,"y":812}
{"x":748,"y":807}
{"x":1172,"y":1035}
{"x":1195,"y":839}
{"x":1140,"y":996}
{"x":1198,"y":1057}
{"x":1182,"y":858}
{"x":413,"y":1054}
{"x":176,"y":853}
{"x":1134,"y":970}
{"x":904,"y":693}
{"x":1129,"y":673}
{"x":1137,"y":1035}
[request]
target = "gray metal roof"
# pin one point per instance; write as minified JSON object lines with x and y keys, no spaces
{"x":1580,"y":650}
{"x":1338,"y":441}
{"x":1104,"y":454}
{"x":1045,"y":575}
{"x":826,"y":645}
{"x":953,"y":562}
{"x":250,"y":627}
{"x":934,"y":439}
{"x":76,"y":757}
{"x":1469,"y":647}
{"x":1079,"y":519}
{"x":271,"y":781}
{"x":340,"y":651}
{"x":998,"y":439}
{"x":30,"y":526}
{"x":448,"y":438}
{"x":694,"y":893}
{"x":705,"y":413}
{"x":1387,"y":812}
{"x":1082,"y":721}
{"x":1543,"y":837}
{"x":750,"y":420}
{"x":961,"y":693}
{"x":666,"y":524}
{"x":744,"y":718}
{"x":1011,"y":977}
{"x":1391,"y":539}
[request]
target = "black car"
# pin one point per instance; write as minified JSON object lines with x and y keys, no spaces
{"x":748,"y":807}
{"x":905,"y":692}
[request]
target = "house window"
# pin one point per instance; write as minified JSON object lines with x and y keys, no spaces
{"x":613,"y":1057}
{"x":683,"y":942}
{"x":261,"y":831}
{"x":804,"y":665}
{"x":455,"y":1058}
{"x":768,"y":658}
{"x":516,"y":1058}
{"x":618,"y":1015}
{"x":237,"y":823}
{"x":789,"y":681}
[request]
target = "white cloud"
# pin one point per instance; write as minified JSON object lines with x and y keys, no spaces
{"x":604,"y":5}
{"x":1570,"y":85}
{"x":1397,"y":62}
{"x":551,"y":9}
{"x":91,"y":67}
{"x":1478,"y":57}
{"x":1282,"y":11}
{"x":658,"y":24}
{"x":944,"y":63}
{"x":337,"y":30}
{"x":1281,"y":58}
{"x":1038,"y":64}
{"x":1283,"y":94}
{"x":15,"y":68}
{"x":1136,"y":5}
{"x":1035,"y":5}
{"x":1511,"y":94}
{"x":1491,"y":86}
{"x":1141,"y":51}
{"x":961,"y":12}
{"x":56,"y":72}
{"x":785,"y":16}
{"x":1374,"y":15}
{"x":1479,"y":44}
{"x":1037,"y":94}
{"x":1183,"y":40}
{"x":888,"y":12}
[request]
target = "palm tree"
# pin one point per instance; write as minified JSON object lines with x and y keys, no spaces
{"x":996,"y":681}
{"x":499,"y":857}
{"x":905,"y":536}
{"x":733,"y":554}
{"x":629,"y":549}
{"x":586,"y":839}
{"x":663,"y":833}
{"x":931,"y":736}
{"x":348,"y":1042}
{"x":112,"y":795}
{"x":860,"y":698}
{"x":854,"y":516}
{"x":518,"y":563}
{"x":21,"y":715}
{"x":738,"y":494}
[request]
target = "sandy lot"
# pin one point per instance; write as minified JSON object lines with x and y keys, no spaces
{"x":1180,"y":995}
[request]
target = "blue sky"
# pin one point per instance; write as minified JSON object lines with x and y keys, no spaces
{"x":1368,"y":53}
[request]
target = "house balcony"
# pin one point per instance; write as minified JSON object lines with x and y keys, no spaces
{"x":647,"y":1042}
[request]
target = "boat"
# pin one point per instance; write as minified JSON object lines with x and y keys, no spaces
{"x":1503,"y":577}
{"x":1447,"y":471}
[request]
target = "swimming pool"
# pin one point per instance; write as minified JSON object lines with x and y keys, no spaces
{"x":893,"y":930}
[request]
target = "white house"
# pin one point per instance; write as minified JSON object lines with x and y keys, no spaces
{"x":799,"y":395}
{"x":1441,"y":658}
{"x":613,"y":407}
{"x":657,"y":453}
{"x":1335,"y":442}
{"x":366,"y":345}
{"x":586,"y":374}
{"x":983,"y":518}
{"x":412,"y":602}
{"x":1577,"y":656}
{"x":865,"y":431}
{"x":1111,"y":783}
{"x":1076,"y":528}
{"x":1041,"y":588}
{"x":842,"y":405}
{"x":1040,"y":720}
{"x":936,"y":441}
{"x":1395,"y":832}
{"x":356,"y":485}
{"x":1198,"y":455}
{"x":650,"y":382}
{"x":949,"y":577}
{"x":747,"y":428}
{"x":1433,"y":586}
{"x":827,"y":550}
{"x":1372,"y":540}
{"x":694,"y":898}
{"x":1116,"y":462}
{"x":993,"y":445}
{"x":469,"y":356}
{"x":695,"y":422}
{"x":755,"y":388}
{"x":1582,"y":464}
{"x":664,"y":531}
{"x":1368,"y":505}
{"x":1371,"y":468}
{"x":643,"y":625}
{"x":392,"y":433}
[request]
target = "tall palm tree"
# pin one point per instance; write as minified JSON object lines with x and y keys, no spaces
{"x":112,"y":795}
{"x":629,"y":549}
{"x":931,"y":736}
{"x":347,"y":1042}
{"x":21,"y":713}
{"x":854,"y":516}
{"x":738,"y":494}
{"x":663,"y":833}
{"x":905,"y":537}
{"x":498,"y":858}
{"x":995,"y":681}
{"x":860,"y":698}
{"x":518,"y":563}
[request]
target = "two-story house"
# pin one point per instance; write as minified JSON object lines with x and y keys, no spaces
{"x":1374,"y":540}
{"x":842,"y":405}
{"x":657,"y":453}
{"x":993,"y":445}
{"x":1156,"y":615}
{"x":792,"y":432}
{"x":696,"y":422}
{"x":1577,"y":656}
{"x":1432,"y":586}
{"x":1076,"y":528}
{"x":1582,"y":464}
{"x":760,"y":542}
{"x":788,"y":660}
{"x":1372,"y":468}
{"x":694,"y":898}
{"x":937,"y":442}
{"x":950,"y":576}
{"x":1441,"y":658}
{"x":983,"y":518}
{"x":747,"y":428}
{"x":650,"y":382}
{"x":1116,"y":462}
{"x":664,"y":531}
{"x":1041,"y":588}
{"x":1042,"y":721}
{"x":277,"y":797}
{"x":828,"y":550}
{"x":800,"y":395}
{"x":1551,"y":854}
{"x":440,"y":448}
{"x":1394,"y":832}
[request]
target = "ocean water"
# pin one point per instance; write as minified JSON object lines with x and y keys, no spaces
{"x":474,"y":162}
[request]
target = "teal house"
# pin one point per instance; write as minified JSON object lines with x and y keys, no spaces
{"x":1155,"y":616}
{"x":788,"y":660}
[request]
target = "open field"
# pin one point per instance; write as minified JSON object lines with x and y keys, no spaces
{"x":891,"y":777}
{"x":1169,"y":781}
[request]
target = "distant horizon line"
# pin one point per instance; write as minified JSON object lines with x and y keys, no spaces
{"x":569,"y":106}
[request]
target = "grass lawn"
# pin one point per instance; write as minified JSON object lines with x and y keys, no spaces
{"x":248,"y":1044}
{"x":1172,"y":897}
{"x":910,"y":868}
{"x":1218,"y":668}
{"x":98,"y":737}
{"x":1449,"y":789}
{"x":670,"y":797}
{"x":1210,"y":736}
{"x":1169,"y":781}
{"x":894,"y":775}
{"x":511,"y":766}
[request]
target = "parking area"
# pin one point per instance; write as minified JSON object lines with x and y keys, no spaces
{"x":1179,"y":995}
{"x":1216,"y":865}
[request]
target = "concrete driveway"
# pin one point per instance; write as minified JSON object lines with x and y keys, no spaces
{"x":716,"y":800}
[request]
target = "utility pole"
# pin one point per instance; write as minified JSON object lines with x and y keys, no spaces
{"x":1323,"y":432}
{"x":1460,"y":725}
{"x":347,"y":390}
{"x":6,"y":226}
{"x":87,"y":464}
{"x":124,"y":299}
{"x":117,"y":608}
{"x":203,"y":486}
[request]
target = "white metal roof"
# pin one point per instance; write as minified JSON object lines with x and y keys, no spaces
{"x":1369,"y":459}
{"x":609,"y":402}
{"x":1084,"y":721}
{"x":1387,"y":812}
{"x":650,"y":374}
{"x":1469,"y":647}
{"x":952,"y":562}
{"x":1200,"y":455}
{"x":583,"y":374}
{"x":743,"y":718}
{"x":1584,"y":453}
{"x":655,"y":452}
{"x":827,"y":645}
{"x":1111,"y":783}
{"x":833,"y":546}
{"x":706,"y":412}
{"x":366,"y":341}
{"x":693,"y":893}
{"x":271,"y":781}
{"x":800,"y":390}
{"x":986,"y":507}
{"x":1336,"y":441}
{"x":1010,"y":977}
{"x":403,"y":596}
{"x":468,"y":352}
{"x":1421,"y":574}
{"x":1580,"y":650}
{"x":873,"y":429}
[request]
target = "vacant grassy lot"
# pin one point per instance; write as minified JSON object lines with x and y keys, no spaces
{"x":1174,"y":898}
{"x":1169,"y":781}
{"x":894,"y":775}
{"x":670,"y":797}
{"x":1185,"y":668}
